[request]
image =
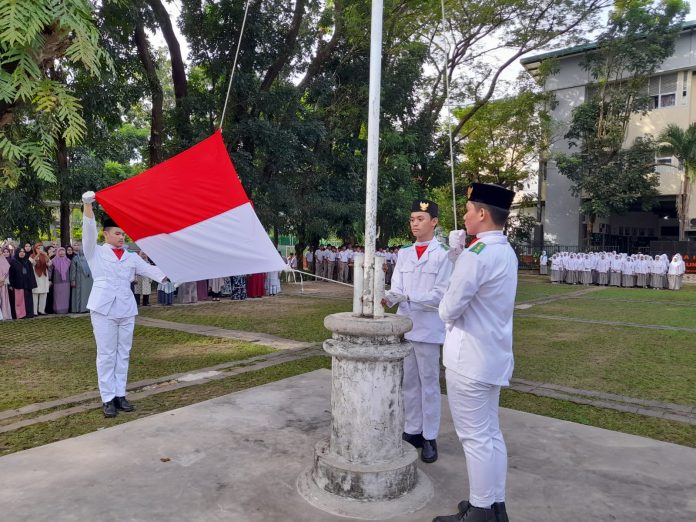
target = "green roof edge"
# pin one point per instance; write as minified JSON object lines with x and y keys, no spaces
{"x":578,"y":49}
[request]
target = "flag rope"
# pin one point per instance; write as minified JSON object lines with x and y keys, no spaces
{"x":449,"y":115}
{"x":234,"y":65}
{"x":303,"y":273}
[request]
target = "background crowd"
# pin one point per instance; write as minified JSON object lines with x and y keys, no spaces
{"x":614,"y":269}
{"x":41,"y":279}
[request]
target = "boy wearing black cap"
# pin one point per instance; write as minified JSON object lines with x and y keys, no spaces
{"x":112,"y":304}
{"x":419,"y":280}
{"x":477,"y":309}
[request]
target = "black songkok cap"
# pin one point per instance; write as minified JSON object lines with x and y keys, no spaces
{"x":493,"y":195}
{"x":425,"y":205}
{"x":108,"y":222}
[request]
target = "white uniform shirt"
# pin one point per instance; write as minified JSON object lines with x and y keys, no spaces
{"x":424,"y":281}
{"x":319,"y":254}
{"x":330,"y":255}
{"x":478,"y":308}
{"x":111,"y":294}
{"x":309,"y":256}
{"x":343,"y":256}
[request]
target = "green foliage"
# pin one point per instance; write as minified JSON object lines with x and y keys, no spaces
{"x":681,"y":144}
{"x":37,"y":39}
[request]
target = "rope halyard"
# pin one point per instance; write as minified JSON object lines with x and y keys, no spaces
{"x":234,"y":65}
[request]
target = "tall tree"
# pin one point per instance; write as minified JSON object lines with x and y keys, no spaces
{"x":610,"y":175}
{"x":36,"y":110}
{"x":681,"y":144}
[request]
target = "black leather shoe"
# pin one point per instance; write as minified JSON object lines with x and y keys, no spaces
{"x":109,"y":409}
{"x":473,"y":514}
{"x":500,"y":512}
{"x":429,"y":451}
{"x":122,"y":404}
{"x":414,"y":440}
{"x":463,"y":506}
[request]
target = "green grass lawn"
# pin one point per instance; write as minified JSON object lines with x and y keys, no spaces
{"x":298,"y":318}
{"x":45,"y":359}
{"x":664,"y":313}
{"x":645,"y":364}
{"x":536,"y":288}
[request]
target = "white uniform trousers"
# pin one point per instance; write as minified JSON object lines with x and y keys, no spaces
{"x":114,"y":338}
{"x":474,"y":407}
{"x":421,"y":388}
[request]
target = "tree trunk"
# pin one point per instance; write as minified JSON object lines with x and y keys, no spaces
{"x":62,"y":172}
{"x":182,"y":116}
{"x":275,"y":236}
{"x":156,"y":124}
{"x":299,"y":254}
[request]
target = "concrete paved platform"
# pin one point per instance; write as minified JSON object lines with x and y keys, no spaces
{"x":237,"y":457}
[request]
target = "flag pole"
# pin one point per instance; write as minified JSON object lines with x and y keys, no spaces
{"x":368,"y":294}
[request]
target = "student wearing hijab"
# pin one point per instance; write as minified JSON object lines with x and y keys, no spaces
{"x":80,"y":281}
{"x":543,"y":263}
{"x":627,"y":279}
{"x":665,"y":262}
{"x":639,"y":269}
{"x":682,"y":271}
{"x":5,"y":306}
{"x":27,"y":250}
{"x":586,"y":266}
{"x":61,"y":282}
{"x":615,"y":274}
{"x":555,"y":269}
{"x":69,"y":252}
{"x":673,"y":272}
{"x":603,"y":270}
{"x":273,"y":283}
{"x":42,"y":266}
{"x":657,"y":271}
{"x":22,"y":281}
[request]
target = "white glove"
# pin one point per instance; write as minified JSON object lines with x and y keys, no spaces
{"x":394,"y":298}
{"x":457,"y":239}
{"x":89,"y":197}
{"x":453,"y":253}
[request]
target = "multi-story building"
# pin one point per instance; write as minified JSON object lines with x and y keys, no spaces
{"x":673,"y":92}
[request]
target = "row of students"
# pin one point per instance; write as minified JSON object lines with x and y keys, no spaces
{"x":619,"y":270}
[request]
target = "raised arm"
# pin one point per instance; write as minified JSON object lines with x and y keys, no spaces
{"x":89,"y":225}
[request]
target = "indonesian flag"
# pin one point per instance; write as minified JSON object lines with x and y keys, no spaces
{"x":192,"y":217}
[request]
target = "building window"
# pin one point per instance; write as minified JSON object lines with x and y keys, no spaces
{"x":663,"y":90}
{"x":665,"y":160}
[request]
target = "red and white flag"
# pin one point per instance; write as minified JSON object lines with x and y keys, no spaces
{"x":192,"y":217}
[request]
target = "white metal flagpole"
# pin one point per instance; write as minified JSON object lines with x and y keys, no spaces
{"x":368,"y":304}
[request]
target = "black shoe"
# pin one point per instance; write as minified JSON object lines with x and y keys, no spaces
{"x":463,"y":506}
{"x":415,"y":440}
{"x":429,"y":451}
{"x":122,"y":404}
{"x":500,"y":512}
{"x":109,"y":409}
{"x":473,"y":514}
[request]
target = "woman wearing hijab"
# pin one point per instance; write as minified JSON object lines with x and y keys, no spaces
{"x":665,"y":262}
{"x":674,"y":272}
{"x":555,"y":269}
{"x":627,"y":279}
{"x":61,"y":282}
{"x":640,"y":270}
{"x":42,"y":265}
{"x":272,"y":283}
{"x":5,"y":306}
{"x":543,"y":263}
{"x":615,"y":274}
{"x":69,"y":252}
{"x":657,"y":269}
{"x":22,"y":282}
{"x":586,"y":270}
{"x":80,"y":281}
{"x":603,"y":270}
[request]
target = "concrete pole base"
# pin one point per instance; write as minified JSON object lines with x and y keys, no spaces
{"x":365,"y":470}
